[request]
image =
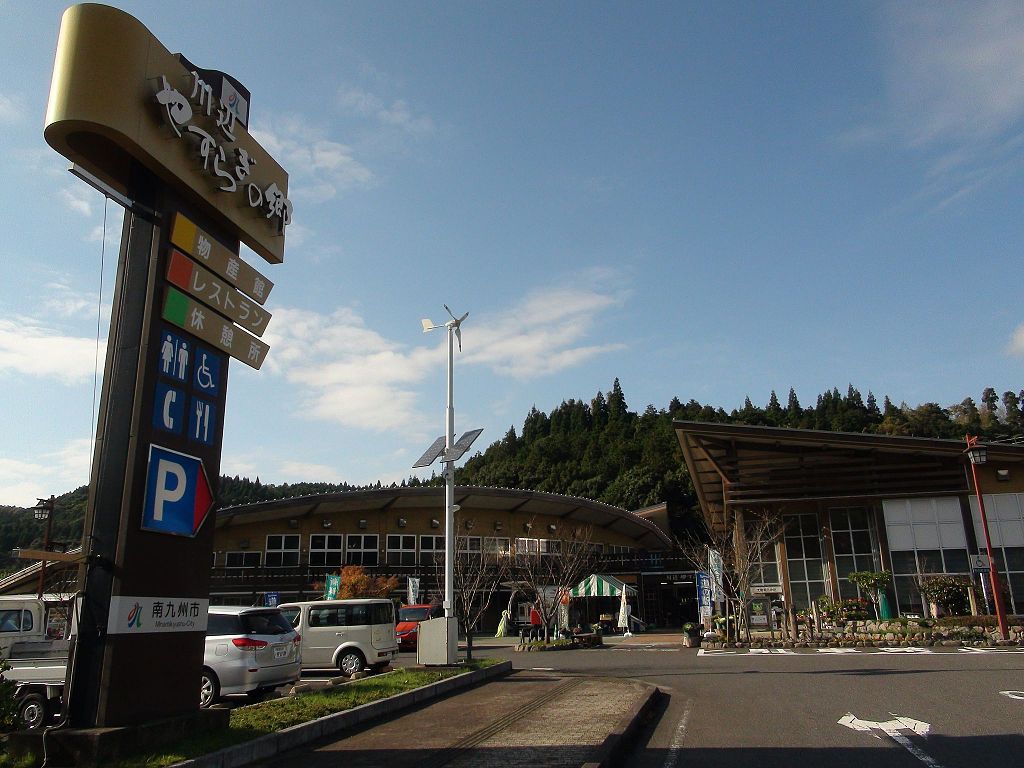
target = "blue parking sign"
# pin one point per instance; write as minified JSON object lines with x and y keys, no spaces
{"x":178,"y":494}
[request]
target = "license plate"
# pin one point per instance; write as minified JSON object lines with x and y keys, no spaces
{"x":280,"y":651}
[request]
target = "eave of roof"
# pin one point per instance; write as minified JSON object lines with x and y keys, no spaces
{"x":584,"y":511}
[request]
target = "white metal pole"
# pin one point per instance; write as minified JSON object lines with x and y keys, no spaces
{"x":449,"y":494}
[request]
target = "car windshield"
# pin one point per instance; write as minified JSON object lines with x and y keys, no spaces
{"x":269,"y":623}
{"x":413,"y":614}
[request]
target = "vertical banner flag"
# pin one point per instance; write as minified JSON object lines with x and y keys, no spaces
{"x":332,"y":585}
{"x":715,"y":568}
{"x":704,"y":595}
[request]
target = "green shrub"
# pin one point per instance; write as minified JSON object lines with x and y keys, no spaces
{"x":948,"y":592}
{"x":8,"y":708}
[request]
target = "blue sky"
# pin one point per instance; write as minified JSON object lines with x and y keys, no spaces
{"x":706,"y":200}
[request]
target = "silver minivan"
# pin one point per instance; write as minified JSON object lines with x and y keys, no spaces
{"x":348,"y":634}
{"x":248,"y":650}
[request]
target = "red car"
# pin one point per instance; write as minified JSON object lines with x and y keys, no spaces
{"x":409,"y":618}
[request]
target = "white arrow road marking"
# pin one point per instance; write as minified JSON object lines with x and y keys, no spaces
{"x":1013,"y":694}
{"x":892,"y":728}
{"x":837,"y":650}
{"x":714,"y":652}
{"x":677,"y":738}
{"x":990,"y":650}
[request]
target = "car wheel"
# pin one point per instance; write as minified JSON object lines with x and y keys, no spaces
{"x":350,"y":662}
{"x":32,"y":711}
{"x":209,"y":689}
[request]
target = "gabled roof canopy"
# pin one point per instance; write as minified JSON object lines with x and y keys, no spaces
{"x":752,"y":467}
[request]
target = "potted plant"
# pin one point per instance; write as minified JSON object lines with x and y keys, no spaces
{"x":691,"y":637}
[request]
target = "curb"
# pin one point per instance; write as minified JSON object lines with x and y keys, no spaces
{"x":627,"y":729}
{"x":297,"y":735}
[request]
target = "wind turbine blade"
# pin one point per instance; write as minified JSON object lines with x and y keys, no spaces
{"x":459,"y":321}
{"x":448,"y":311}
{"x":458,"y":335}
{"x":428,"y":325}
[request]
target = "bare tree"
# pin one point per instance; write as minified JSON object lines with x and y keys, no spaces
{"x":551,"y":567}
{"x":746,"y":543}
{"x":478,"y":575}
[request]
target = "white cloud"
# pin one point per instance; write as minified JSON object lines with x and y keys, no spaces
{"x":22,"y":482}
{"x":396,"y":114}
{"x":957,"y":70}
{"x":29,"y":348}
{"x":110,"y":236}
{"x":1016,"y":345}
{"x":77,"y":199}
{"x":544,"y":333}
{"x":954,"y":93}
{"x":347,"y":373}
{"x":11,"y":110}
{"x":318,"y":167}
{"x":62,"y":300}
{"x":298,"y":471}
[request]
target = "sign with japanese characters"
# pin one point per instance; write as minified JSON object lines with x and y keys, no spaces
{"x":206,"y":324}
{"x":218,"y":259}
{"x":139,"y":102}
{"x":215,"y":293}
{"x":704,"y":592}
{"x":169,"y":141}
{"x":141,"y":615}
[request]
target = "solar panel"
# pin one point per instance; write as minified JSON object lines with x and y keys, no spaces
{"x":430,"y":455}
{"x":462,"y":445}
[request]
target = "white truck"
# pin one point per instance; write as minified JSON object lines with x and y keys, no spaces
{"x":33,"y":642}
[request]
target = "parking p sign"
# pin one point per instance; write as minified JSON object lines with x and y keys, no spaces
{"x":178,"y":495}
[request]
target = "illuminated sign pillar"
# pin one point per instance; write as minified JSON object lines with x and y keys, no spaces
{"x":169,"y":141}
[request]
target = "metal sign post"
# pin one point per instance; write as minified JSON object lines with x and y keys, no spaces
{"x":150,"y":131}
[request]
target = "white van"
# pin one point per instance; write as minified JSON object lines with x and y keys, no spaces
{"x":348,"y":634}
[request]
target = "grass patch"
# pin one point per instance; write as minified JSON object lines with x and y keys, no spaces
{"x":250,"y":722}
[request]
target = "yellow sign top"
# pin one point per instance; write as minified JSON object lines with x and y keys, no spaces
{"x":118,"y":97}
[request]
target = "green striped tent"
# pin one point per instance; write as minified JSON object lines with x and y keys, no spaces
{"x":596,"y":585}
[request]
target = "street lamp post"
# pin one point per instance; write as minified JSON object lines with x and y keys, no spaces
{"x":977,"y":454}
{"x":44,"y":511}
{"x":450,"y":451}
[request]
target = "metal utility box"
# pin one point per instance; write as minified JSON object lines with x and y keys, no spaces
{"x":438,"y":642}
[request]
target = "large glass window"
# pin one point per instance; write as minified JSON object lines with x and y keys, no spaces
{"x":325,"y":550}
{"x":401,"y":549}
{"x":282,"y":551}
{"x":431,"y":550}
{"x":496,"y":545}
{"x":241,"y":559}
{"x":855,"y":545}
{"x":803,"y":558}
{"x":1005,"y":513}
{"x":926,"y":538}
{"x":361,"y":549}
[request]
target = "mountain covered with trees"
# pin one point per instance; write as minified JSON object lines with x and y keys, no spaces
{"x":604,"y":451}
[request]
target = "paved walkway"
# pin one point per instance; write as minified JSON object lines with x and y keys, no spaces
{"x":530,"y":719}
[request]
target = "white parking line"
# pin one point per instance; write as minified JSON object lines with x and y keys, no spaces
{"x":677,"y":737}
